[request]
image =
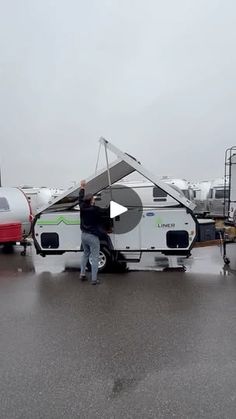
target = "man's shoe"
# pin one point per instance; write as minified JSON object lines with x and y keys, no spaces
{"x":95,"y":282}
{"x":83,"y":278}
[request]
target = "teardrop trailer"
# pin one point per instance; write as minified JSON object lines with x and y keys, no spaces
{"x":168,"y":230}
{"x":15,"y":218}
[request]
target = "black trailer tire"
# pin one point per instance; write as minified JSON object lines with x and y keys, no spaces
{"x":8,"y":248}
{"x":105,"y":260}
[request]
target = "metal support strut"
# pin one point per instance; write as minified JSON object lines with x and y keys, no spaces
{"x":108,"y":169}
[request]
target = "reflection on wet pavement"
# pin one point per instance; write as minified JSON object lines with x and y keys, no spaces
{"x":144,"y":344}
{"x":15,"y":263}
{"x":203,"y":260}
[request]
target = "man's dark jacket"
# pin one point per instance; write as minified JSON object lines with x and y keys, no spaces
{"x":91,"y":217}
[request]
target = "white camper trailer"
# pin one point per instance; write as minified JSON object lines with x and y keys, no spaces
{"x":200,"y":191}
{"x":15,"y":216}
{"x":169,"y":230}
{"x":217,"y":198}
{"x":181,"y":184}
{"x":38,"y":197}
{"x":55,"y":193}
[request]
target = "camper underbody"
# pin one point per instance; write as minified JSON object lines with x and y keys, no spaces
{"x":168,"y":230}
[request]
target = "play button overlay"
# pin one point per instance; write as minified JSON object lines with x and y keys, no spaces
{"x":125,"y":207}
{"x":116,"y":209}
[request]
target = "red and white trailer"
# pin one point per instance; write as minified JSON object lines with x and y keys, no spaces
{"x":15,"y":217}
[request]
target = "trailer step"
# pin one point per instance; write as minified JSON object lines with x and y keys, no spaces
{"x":131,"y":260}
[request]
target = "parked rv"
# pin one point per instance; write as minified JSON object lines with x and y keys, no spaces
{"x":217,"y":196}
{"x":39,"y":197}
{"x":15,"y":217}
{"x":55,"y":193}
{"x":200,"y":191}
{"x":181,"y":184}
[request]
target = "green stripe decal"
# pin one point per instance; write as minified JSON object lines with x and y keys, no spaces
{"x":57,"y":221}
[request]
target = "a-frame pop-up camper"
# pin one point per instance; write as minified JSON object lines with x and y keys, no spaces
{"x":168,"y":230}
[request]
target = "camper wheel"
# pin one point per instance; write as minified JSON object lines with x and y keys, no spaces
{"x":105,"y":260}
{"x":8,"y":248}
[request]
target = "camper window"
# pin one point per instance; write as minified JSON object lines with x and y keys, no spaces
{"x":158,"y":193}
{"x":49,"y":240}
{"x":4,"y":206}
{"x":219,"y":194}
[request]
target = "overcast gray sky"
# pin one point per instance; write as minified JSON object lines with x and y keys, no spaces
{"x":156,"y":77}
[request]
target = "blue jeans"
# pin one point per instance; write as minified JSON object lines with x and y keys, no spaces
{"x":91,"y":246}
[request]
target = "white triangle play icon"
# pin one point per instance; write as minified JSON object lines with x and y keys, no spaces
{"x":116,"y":209}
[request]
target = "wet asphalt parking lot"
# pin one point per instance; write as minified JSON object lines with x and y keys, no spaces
{"x":142,"y":344}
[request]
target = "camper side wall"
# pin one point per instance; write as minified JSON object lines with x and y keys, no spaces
{"x":14,"y":207}
{"x":215,"y":201}
{"x":231,"y":207}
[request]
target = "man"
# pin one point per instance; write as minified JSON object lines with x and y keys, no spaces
{"x":90,"y":224}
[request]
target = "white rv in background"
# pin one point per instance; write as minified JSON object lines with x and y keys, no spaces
{"x":55,"y":193}
{"x":200,"y":191}
{"x":181,"y":184}
{"x":40,"y":196}
{"x":217,"y":198}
